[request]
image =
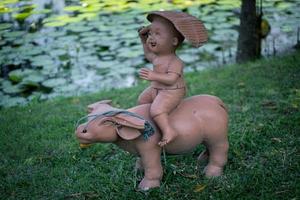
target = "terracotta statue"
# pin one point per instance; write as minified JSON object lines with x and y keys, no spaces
{"x":160,"y":40}
{"x":197,"y":119}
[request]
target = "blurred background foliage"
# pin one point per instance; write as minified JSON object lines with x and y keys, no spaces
{"x":50,"y":48}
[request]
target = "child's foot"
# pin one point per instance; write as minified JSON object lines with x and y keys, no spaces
{"x":168,"y":136}
{"x":147,"y":184}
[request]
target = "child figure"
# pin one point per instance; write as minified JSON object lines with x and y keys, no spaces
{"x":160,"y":40}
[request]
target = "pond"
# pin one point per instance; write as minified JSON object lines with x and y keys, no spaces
{"x":50,"y":48}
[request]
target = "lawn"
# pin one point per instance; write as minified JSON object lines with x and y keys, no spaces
{"x":41,"y":159}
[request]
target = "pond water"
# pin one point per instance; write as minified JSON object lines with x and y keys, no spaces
{"x":69,"y":47}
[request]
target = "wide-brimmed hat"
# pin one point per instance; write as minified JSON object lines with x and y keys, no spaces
{"x":189,"y":26}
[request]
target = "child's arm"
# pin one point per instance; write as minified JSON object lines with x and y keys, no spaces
{"x":143,"y":33}
{"x":168,"y":78}
{"x":164,"y":78}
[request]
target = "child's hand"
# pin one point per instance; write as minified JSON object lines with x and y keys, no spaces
{"x":143,"y":33}
{"x":147,"y":74}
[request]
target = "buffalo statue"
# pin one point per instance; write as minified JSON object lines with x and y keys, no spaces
{"x":200,"y":119}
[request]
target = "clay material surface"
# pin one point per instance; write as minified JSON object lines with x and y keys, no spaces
{"x":198,"y":120}
{"x":160,"y":41}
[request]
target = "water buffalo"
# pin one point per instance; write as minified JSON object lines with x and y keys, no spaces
{"x":200,"y":119}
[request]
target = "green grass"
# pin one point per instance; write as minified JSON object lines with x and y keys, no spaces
{"x":40,"y":157}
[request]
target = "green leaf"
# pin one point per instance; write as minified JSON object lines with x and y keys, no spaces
{"x":17,"y":75}
{"x":22,"y":16}
{"x":55,"y":24}
{"x":189,"y":58}
{"x":4,"y":26}
{"x":283,"y":5}
{"x":30,"y":50}
{"x":73,"y":8}
{"x":42,"y":60}
{"x":12,"y":89}
{"x":14,"y":34}
{"x":51,"y":83}
{"x":199,"y":188}
{"x":78,"y":28}
{"x":7,"y":101}
{"x":33,"y":80}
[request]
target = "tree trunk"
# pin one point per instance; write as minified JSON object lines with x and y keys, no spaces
{"x":249,"y":43}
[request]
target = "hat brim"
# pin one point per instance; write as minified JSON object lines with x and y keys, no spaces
{"x":191,"y":28}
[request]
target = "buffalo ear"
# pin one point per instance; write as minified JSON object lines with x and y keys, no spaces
{"x":130,"y":126}
{"x":92,"y":106}
{"x":128,"y":133}
{"x":105,"y":101}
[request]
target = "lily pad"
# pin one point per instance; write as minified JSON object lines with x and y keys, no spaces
{"x":90,"y":60}
{"x":60,"y":20}
{"x":4,"y":9}
{"x":2,"y":42}
{"x":91,"y":39}
{"x":55,"y":24}
{"x":17,"y":75}
{"x":78,"y":28}
{"x":18,"y":42}
{"x":233,"y":21}
{"x":209,"y":19}
{"x":54,"y":82}
{"x":66,"y":41}
{"x":189,"y":58}
{"x":30,"y":50}
{"x":223,"y":14}
{"x":55,"y":34}
{"x":287,"y":28}
{"x":33,"y":80}
{"x":122,"y":68}
{"x":107,"y":64}
{"x":207,"y":56}
{"x":228,"y":4}
{"x":73,"y":8}
{"x":49,"y":70}
{"x":87,"y":16}
{"x":10,"y":89}
{"x":225,"y":35}
{"x":108,"y":57}
{"x":7,"y":101}
{"x":90,"y":34}
{"x":92,"y":7}
{"x":129,"y":52}
{"x":283,"y":5}
{"x":69,"y":88}
{"x":210,"y":47}
{"x":4,"y":26}
{"x":58,"y":52}
{"x":22,"y":16}
{"x":129,"y":34}
{"x":103,"y":71}
{"x":42,"y":60}
{"x":13,"y":34}
{"x":224,"y":25}
{"x":35,"y":96}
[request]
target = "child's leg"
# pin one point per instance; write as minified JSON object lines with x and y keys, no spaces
{"x":163,"y":104}
{"x":168,"y":132}
{"x":146,"y":96}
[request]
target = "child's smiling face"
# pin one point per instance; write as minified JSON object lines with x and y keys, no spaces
{"x":161,"y":37}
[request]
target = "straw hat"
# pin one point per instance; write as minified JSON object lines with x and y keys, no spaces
{"x":189,"y":26}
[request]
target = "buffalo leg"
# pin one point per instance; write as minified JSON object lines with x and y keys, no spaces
{"x":217,"y":159}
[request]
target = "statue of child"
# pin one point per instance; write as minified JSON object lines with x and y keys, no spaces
{"x":160,"y":40}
